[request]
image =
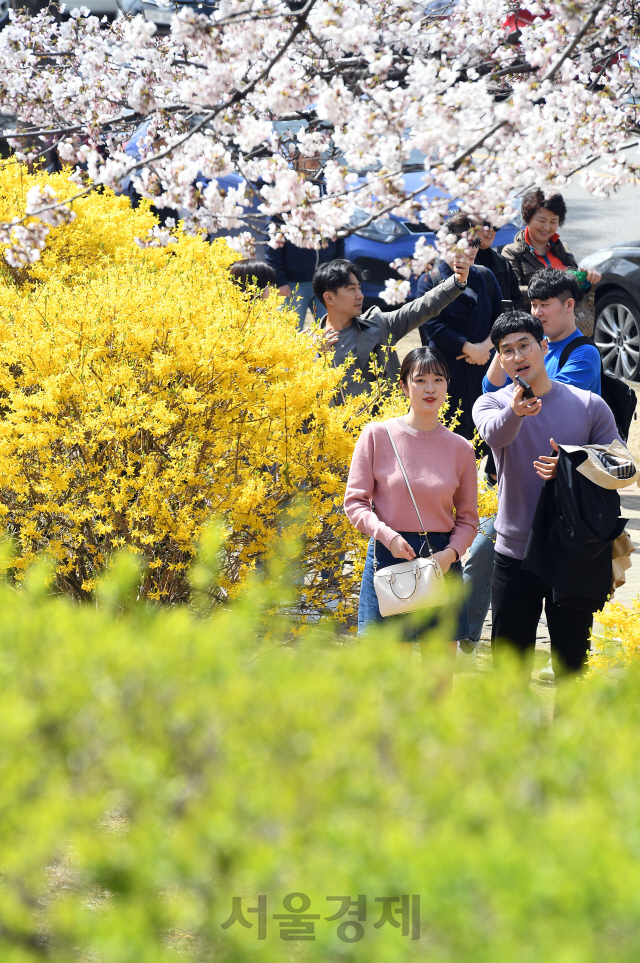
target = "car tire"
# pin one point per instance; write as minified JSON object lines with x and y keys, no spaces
{"x":617,"y":335}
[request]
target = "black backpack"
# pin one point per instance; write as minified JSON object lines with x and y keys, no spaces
{"x":618,"y":395}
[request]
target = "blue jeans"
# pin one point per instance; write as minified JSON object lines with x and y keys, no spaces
{"x":478,"y":571}
{"x":369,"y":610}
{"x":301,"y":298}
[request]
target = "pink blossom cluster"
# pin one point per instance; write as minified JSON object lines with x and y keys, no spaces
{"x":319,"y":106}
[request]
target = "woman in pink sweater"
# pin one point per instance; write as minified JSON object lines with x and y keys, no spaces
{"x":441,"y":467}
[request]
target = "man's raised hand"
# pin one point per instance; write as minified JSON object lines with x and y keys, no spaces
{"x":461,"y":267}
{"x":524,"y":406}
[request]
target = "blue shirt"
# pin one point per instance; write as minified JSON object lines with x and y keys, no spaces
{"x":582,"y":370}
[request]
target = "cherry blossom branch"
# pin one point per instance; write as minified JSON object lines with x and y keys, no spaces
{"x":574,"y":43}
{"x":237,"y":97}
{"x":50,"y":207}
{"x":363,"y":77}
{"x":474,"y":147}
{"x":383,"y":210}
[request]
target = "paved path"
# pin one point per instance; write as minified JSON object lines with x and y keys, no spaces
{"x":630,"y":508}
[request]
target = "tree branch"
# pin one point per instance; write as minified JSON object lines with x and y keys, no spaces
{"x":469,"y":150}
{"x":592,"y":160}
{"x":574,"y":43}
{"x":237,"y":97}
{"x":50,"y":207}
{"x":607,"y":62}
{"x":385,"y":210}
{"x":518,"y":69}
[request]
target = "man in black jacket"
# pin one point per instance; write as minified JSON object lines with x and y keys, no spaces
{"x":502,"y":270}
{"x":295,"y":267}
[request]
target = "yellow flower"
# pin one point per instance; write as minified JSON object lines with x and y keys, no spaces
{"x":144,"y":394}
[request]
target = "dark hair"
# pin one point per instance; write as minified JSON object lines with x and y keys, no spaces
{"x":458,"y":223}
{"x":252,"y":271}
{"x":422,"y":361}
{"x":461,"y":224}
{"x":334,"y":275}
{"x":514,"y":322}
{"x":552,"y":283}
{"x":536,"y":199}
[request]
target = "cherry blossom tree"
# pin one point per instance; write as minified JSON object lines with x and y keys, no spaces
{"x":319,"y":106}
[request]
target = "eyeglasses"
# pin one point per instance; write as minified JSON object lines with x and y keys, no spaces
{"x":522,"y":347}
{"x":490,"y":226}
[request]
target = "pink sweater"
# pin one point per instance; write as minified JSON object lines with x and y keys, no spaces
{"x":441,"y":467}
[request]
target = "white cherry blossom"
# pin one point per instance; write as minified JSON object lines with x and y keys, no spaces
{"x":319,"y":106}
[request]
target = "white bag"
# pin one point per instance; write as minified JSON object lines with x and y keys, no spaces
{"x":408,"y":586}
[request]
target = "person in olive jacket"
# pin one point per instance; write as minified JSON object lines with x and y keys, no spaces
{"x":538,"y":245}
{"x":367,"y":341}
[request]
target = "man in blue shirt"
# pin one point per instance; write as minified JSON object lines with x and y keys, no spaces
{"x":553,"y":297}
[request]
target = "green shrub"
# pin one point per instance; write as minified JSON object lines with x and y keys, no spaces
{"x":154,"y":765}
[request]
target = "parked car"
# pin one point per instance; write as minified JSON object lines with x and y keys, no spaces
{"x":617,"y":327}
{"x":162,"y":13}
{"x":374,"y":247}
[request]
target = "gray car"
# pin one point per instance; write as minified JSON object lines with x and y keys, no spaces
{"x":617,"y":328}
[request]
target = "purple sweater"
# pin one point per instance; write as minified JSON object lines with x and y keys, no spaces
{"x":569,"y":415}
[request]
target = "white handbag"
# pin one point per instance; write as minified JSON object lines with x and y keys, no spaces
{"x":408,"y":586}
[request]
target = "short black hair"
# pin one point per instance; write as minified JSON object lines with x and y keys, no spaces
{"x":552,"y":283}
{"x":252,"y":271}
{"x":422,"y":361}
{"x":514,"y":322}
{"x":460,"y":224}
{"x":535,"y":199}
{"x":334,"y":275}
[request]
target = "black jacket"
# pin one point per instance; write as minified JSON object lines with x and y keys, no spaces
{"x":569,"y":547}
{"x":466,"y":319}
{"x":503,"y":273}
{"x":294,"y":265}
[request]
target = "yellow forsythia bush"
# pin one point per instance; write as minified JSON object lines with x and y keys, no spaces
{"x":616,"y":641}
{"x":143,"y":394}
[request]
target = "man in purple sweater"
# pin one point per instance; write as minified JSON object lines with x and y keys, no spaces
{"x":523,"y":433}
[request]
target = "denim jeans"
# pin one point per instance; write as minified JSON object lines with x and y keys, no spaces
{"x":301,"y":298}
{"x":369,"y":610}
{"x":478,"y":570}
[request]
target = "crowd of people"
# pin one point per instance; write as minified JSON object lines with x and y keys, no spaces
{"x":497,"y":332}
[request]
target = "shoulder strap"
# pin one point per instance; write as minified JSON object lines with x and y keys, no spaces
{"x":568,"y":349}
{"x":424,"y":531}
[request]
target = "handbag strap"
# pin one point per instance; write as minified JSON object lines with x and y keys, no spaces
{"x":404,"y":474}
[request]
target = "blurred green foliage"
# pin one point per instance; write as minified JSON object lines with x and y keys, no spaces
{"x":155,"y":764}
